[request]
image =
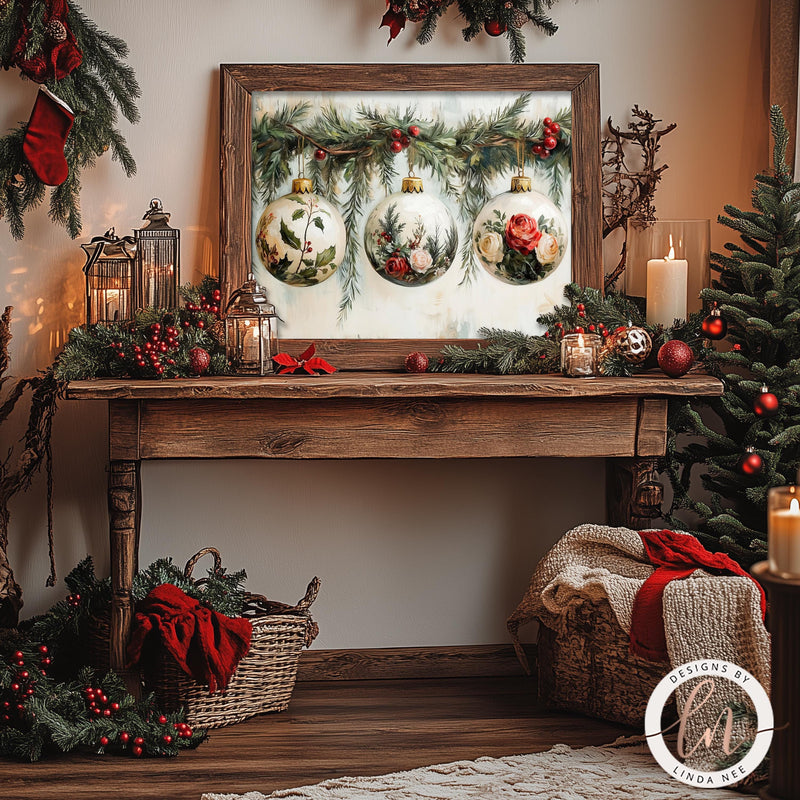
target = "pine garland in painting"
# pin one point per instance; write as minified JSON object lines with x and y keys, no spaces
{"x":353,"y":153}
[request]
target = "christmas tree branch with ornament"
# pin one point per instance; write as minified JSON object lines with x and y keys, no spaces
{"x":748,"y":440}
{"x":493,"y":17}
{"x":352,"y":154}
{"x":86,"y":83}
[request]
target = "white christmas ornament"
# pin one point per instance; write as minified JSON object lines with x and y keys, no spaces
{"x":410,"y":238}
{"x":301,"y":237}
{"x":520,"y":236}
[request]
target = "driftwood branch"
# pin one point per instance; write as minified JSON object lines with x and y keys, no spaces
{"x":628,"y":193}
{"x":17,"y":470}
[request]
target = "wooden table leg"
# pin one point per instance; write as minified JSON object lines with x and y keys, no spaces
{"x":633,"y":493}
{"x":124,"y":495}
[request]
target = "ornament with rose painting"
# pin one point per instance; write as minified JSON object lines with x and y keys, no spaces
{"x":520,"y":236}
{"x":300,"y":237}
{"x":410,"y":237}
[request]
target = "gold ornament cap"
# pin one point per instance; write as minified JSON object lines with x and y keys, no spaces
{"x":412,"y":184}
{"x":302,"y":186}
{"x":520,"y":183}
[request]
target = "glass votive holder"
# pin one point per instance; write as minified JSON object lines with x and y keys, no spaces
{"x":579,"y":354}
{"x":783,"y":527}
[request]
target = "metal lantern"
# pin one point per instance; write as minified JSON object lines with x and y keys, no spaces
{"x":109,"y":275}
{"x":158,"y":256}
{"x":251,"y":338}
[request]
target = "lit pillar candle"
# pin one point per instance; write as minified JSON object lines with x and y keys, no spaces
{"x":666,"y":288}
{"x":252,"y":351}
{"x":784,"y":531}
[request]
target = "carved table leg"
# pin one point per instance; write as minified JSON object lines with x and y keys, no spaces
{"x":633,"y":493}
{"x":124,"y":494}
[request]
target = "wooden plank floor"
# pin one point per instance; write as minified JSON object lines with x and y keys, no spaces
{"x":332,"y":728}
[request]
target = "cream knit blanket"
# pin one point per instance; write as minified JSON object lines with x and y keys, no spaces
{"x":705,"y":616}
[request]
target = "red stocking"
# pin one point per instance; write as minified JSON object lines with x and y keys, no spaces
{"x":50,"y":123}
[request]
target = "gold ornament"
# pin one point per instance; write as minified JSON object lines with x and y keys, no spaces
{"x":632,"y":343}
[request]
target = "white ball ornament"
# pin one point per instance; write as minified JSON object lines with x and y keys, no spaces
{"x":301,"y":237}
{"x":410,"y":238}
{"x":520,"y":236}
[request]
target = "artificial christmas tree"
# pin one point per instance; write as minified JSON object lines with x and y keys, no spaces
{"x":758,"y":295}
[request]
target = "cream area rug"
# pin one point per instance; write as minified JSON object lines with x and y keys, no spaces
{"x":622,"y":771}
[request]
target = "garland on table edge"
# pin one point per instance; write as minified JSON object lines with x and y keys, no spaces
{"x":495,"y":17}
{"x":464,"y":160}
{"x":158,"y":344}
{"x":587,"y":310}
{"x":95,"y":89}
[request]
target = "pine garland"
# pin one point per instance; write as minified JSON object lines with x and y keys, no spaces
{"x":95,"y":352}
{"x":515,"y":353}
{"x":496,"y":17}
{"x":464,"y":160}
{"x":97,"y":90}
{"x":758,"y":292}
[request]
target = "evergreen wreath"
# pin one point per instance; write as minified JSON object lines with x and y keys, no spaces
{"x":758,"y":293}
{"x":495,"y":17}
{"x":101,"y":85}
{"x":358,"y":151}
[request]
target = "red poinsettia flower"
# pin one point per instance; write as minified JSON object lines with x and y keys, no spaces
{"x":394,"y":19}
{"x":312,"y":365}
{"x":522,"y":234}
{"x":396,"y":266}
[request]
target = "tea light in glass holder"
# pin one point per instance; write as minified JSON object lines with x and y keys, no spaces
{"x":579,"y":352}
{"x":783,"y":525}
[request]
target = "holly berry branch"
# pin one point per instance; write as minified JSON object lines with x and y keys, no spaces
{"x":494,"y":17}
{"x":361,"y":150}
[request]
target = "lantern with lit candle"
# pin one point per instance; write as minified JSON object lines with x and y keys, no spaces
{"x":579,"y":353}
{"x":251,"y":338}
{"x":109,"y":276}
{"x":158,"y":255}
{"x":783,"y":525}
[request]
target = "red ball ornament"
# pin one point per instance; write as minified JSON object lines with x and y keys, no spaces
{"x":751,"y":463}
{"x":675,"y":358}
{"x":714,"y":325}
{"x":494,"y":27}
{"x":766,"y":405}
{"x":199,"y":360}
{"x":396,"y":146}
{"x":416,"y":362}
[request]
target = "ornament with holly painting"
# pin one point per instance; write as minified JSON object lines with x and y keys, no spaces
{"x":410,"y":237}
{"x":301,"y":237}
{"x":520,"y":237}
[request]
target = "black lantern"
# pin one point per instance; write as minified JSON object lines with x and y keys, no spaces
{"x":158,"y":256}
{"x":109,"y":278}
{"x":251,"y":337}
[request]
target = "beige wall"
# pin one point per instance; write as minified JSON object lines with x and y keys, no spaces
{"x":414,"y":552}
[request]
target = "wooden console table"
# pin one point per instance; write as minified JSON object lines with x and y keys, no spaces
{"x":380,"y":415}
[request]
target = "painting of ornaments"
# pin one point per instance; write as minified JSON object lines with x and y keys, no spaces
{"x":382,"y":214}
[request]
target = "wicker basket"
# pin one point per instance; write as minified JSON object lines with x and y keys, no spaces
{"x":265,"y":677}
{"x":589,"y":667}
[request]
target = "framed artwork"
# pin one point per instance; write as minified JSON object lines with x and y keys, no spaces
{"x":387,"y":208}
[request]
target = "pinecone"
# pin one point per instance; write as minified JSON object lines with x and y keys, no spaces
{"x":518,"y":18}
{"x":56,"y":30}
{"x":217,"y":332}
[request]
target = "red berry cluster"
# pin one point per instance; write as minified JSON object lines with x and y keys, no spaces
{"x":590,"y":328}
{"x":22,"y":687}
{"x":183,"y":730}
{"x":97,"y":703}
{"x":399,"y":140}
{"x":154,"y":351}
{"x":74,"y":600}
{"x":550,"y":137}
{"x":211,"y":305}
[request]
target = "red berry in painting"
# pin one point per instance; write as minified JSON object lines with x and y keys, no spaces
{"x":405,"y":141}
{"x":396,"y":133}
{"x":396,"y":146}
{"x":550,"y":142}
{"x":537,"y":149}
{"x":320,"y":154}
{"x":554,"y":128}
{"x":413,"y":130}
{"x":547,"y":121}
{"x":544,"y":154}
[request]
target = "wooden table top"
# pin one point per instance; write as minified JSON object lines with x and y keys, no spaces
{"x":395,"y":385}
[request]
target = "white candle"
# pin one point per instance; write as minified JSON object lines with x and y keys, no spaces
{"x":667,"y":280}
{"x":784,"y":540}
{"x":112,"y":305}
{"x":578,"y":355}
{"x":251,"y":352}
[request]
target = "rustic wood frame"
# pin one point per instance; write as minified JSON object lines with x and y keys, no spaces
{"x":239,"y":81}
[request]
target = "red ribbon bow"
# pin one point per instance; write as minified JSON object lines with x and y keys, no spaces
{"x":307,"y":361}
